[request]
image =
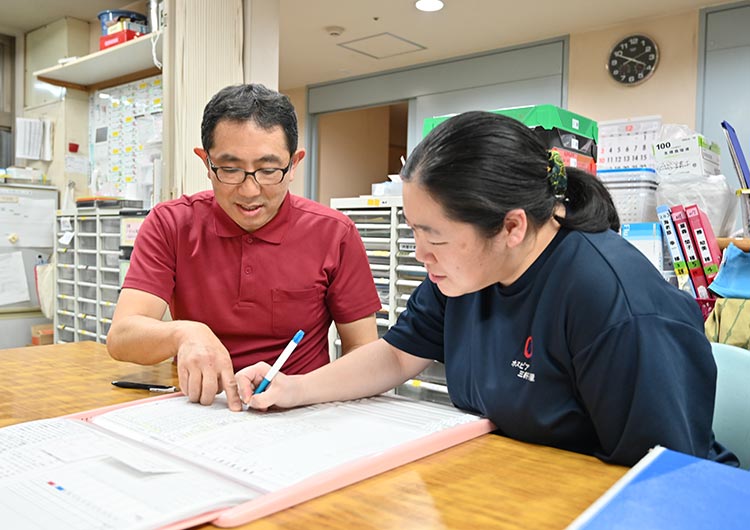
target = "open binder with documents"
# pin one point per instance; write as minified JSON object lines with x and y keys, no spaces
{"x":166,"y":462}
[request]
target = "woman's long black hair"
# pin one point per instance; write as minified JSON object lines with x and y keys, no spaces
{"x":480,"y":165}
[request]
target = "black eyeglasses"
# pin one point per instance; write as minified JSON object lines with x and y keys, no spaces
{"x":265,"y":176}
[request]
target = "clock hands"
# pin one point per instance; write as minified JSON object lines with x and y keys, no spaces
{"x":619,"y":54}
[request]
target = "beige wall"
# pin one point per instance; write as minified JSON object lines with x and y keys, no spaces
{"x":350,"y":171}
{"x":354,"y":152}
{"x":349,"y":162}
{"x":67,"y":128}
{"x":671,"y":91}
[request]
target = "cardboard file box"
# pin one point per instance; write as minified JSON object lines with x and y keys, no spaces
{"x":107,"y":41}
{"x":127,"y":25}
{"x":572,"y":135}
{"x":42,"y":334}
{"x":692,"y":154}
{"x":573,"y":158}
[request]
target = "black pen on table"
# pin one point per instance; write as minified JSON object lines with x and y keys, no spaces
{"x":151,"y":387}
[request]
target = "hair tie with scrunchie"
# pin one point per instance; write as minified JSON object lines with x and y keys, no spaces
{"x":558,"y":180}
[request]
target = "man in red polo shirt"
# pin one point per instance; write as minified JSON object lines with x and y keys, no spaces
{"x":246,"y":265}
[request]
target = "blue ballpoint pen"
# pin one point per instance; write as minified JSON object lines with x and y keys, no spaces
{"x":280,"y":362}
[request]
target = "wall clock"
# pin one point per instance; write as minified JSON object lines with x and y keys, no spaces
{"x":633,"y":60}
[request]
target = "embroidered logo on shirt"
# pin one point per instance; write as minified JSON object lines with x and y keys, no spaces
{"x":523,"y":366}
{"x":528,"y":348}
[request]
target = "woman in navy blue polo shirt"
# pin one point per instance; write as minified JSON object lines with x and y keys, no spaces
{"x":547,"y":321}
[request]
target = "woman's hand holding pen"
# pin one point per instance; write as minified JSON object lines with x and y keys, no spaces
{"x":205,"y":369}
{"x":259,"y":376}
{"x":284,"y":392}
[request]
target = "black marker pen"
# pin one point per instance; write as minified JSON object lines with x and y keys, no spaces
{"x":145,"y":386}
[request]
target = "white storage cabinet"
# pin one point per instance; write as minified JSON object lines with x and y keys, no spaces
{"x":87,"y":276}
{"x":389,"y":244}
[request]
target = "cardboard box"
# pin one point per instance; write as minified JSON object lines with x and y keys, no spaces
{"x":124,"y":25}
{"x":692,"y":154}
{"x":42,"y":334}
{"x":107,"y":41}
{"x":545,"y":116}
{"x":575,"y":159}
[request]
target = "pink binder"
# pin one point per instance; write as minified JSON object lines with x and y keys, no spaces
{"x":324,"y":482}
{"x":705,"y":241}
{"x":692,"y":258}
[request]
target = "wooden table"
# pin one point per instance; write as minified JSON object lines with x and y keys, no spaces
{"x":489,"y":482}
{"x":743,"y":243}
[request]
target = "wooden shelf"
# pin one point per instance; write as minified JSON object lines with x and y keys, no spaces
{"x":117,"y":65}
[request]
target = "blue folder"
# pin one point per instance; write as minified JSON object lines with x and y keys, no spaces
{"x":670,"y":490}
{"x":738,"y":157}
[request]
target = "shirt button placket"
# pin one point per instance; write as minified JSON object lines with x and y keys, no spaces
{"x":248,"y":269}
{"x":246,"y":279}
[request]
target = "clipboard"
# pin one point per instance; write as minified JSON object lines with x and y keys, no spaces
{"x":738,"y":158}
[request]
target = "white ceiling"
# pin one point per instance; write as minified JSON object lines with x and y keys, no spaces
{"x":25,"y":15}
{"x":309,"y":55}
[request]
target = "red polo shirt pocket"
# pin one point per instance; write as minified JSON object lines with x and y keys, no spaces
{"x":293,"y":310}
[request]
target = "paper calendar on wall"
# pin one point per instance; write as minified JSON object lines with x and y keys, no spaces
{"x":627,"y":143}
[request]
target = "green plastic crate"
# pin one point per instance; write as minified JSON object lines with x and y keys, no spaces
{"x":548,"y":117}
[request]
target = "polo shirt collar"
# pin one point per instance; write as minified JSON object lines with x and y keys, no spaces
{"x":530,"y":274}
{"x":273,"y":232}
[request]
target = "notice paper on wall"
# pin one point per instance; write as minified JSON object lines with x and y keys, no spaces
{"x":13,"y":288}
{"x":34,"y":139}
{"x":77,"y":164}
{"x":26,"y":221}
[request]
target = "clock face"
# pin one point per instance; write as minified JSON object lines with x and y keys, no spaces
{"x":633,"y":60}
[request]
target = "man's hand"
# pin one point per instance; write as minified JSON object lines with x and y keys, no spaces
{"x":204,"y":367}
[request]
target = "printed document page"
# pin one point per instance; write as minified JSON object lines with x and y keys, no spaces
{"x":271,"y":450}
{"x":67,"y":474}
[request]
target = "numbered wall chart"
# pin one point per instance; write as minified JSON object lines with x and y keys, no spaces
{"x":125,"y":137}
